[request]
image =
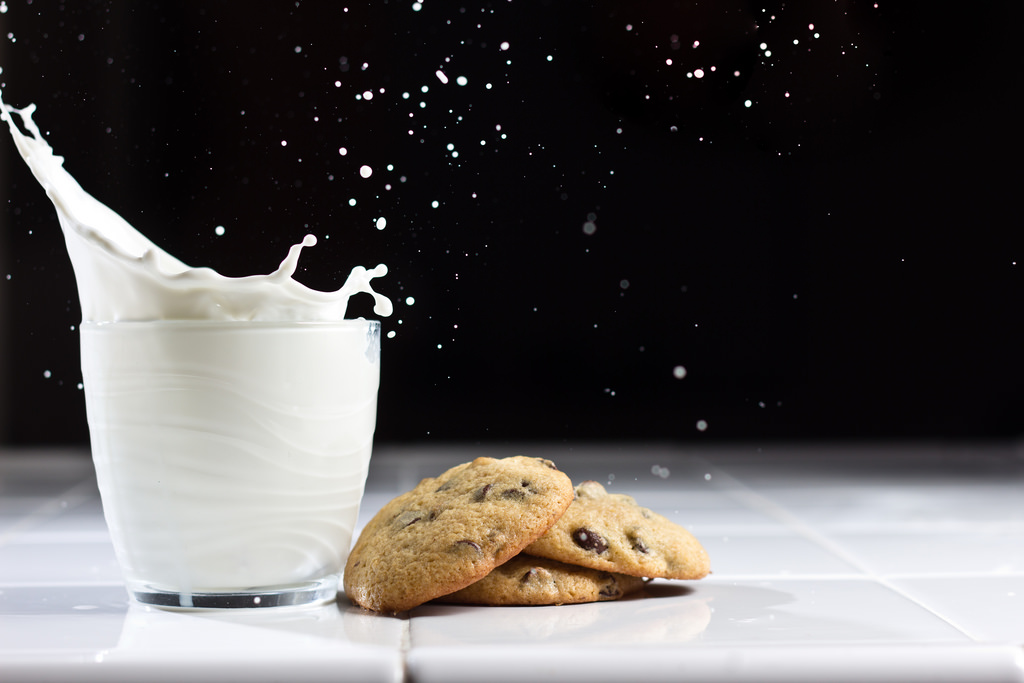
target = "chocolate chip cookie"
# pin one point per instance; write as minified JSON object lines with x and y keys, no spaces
{"x":610,"y":532}
{"x":528,"y":580}
{"x":452,"y":530}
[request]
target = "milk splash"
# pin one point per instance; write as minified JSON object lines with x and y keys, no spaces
{"x":123,"y":276}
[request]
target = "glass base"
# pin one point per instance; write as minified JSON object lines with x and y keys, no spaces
{"x":317,"y":592}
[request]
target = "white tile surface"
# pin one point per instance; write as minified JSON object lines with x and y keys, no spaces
{"x":748,"y":553}
{"x":984,"y":550}
{"x":885,"y":563}
{"x":774,"y":664}
{"x":58,"y":563}
{"x":94,"y":633}
{"x":716,"y":612}
{"x":987,"y":608}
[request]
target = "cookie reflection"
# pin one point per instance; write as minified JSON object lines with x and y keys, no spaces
{"x":660,"y":613}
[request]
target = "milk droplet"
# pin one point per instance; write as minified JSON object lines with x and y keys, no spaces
{"x":365,"y":171}
{"x":702,"y":425}
{"x":659,"y":471}
{"x":462,"y":80}
{"x":342,"y":151}
{"x":409,"y":301}
{"x":47,"y":374}
{"x":504,"y":45}
{"x":382,"y":223}
{"x":679,"y":372}
{"x":219,"y":231}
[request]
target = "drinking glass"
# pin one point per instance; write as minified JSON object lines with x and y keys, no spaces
{"x":231,"y":456}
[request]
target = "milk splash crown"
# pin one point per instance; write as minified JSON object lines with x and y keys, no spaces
{"x":123,"y":276}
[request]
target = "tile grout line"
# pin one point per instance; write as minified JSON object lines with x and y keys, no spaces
{"x":762,"y":503}
{"x":405,"y":646}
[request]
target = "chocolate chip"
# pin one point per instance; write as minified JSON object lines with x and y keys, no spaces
{"x":638,"y":543}
{"x":481,"y":493}
{"x":612,"y":589}
{"x":466,"y":543}
{"x":445,"y":486}
{"x":513,"y":494}
{"x":407,"y":518}
{"x":529,"y":575}
{"x":589,"y":540}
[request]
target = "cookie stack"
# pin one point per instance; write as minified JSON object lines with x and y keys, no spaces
{"x":513,"y":531}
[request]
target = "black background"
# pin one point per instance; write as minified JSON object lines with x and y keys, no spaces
{"x":840,"y":259}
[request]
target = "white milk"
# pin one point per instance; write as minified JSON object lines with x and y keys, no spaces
{"x":121,"y":275}
{"x":230,"y":455}
{"x":231,"y":418}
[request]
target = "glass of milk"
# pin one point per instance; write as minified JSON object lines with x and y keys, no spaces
{"x":231,"y":418}
{"x":231,"y":456}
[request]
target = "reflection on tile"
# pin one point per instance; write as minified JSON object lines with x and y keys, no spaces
{"x":67,"y":600}
{"x":328,"y":628}
{"x":664,"y":614}
{"x":799,"y":611}
{"x":124,"y":641}
{"x":58,"y":563}
{"x":307,"y":643}
{"x":819,"y":611}
{"x":61,"y":618}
